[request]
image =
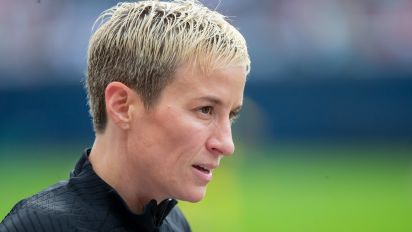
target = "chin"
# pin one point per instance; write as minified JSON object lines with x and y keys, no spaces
{"x":193,"y":195}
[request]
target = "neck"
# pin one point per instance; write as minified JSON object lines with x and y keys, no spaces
{"x":109,"y":158}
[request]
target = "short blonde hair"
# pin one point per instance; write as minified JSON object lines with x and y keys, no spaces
{"x":142,"y":43}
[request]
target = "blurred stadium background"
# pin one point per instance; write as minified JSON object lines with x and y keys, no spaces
{"x":324,"y":142}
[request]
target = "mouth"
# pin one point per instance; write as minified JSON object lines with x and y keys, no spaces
{"x":203,"y":172}
{"x":202,"y":169}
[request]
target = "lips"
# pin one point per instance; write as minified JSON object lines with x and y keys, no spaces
{"x":202,"y":168}
{"x":203,"y":171}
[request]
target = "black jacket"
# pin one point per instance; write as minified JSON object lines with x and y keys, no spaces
{"x":86,"y":203}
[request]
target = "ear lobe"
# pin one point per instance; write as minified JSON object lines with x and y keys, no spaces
{"x":118,"y":99}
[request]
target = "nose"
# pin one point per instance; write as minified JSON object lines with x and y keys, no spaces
{"x":221,"y":141}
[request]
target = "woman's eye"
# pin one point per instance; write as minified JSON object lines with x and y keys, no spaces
{"x":206,"y":110}
{"x":233,"y":117}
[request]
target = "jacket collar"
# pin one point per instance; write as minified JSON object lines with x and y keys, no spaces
{"x":150,"y":219}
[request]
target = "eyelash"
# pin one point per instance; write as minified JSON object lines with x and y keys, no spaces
{"x":209,"y":108}
{"x":233,"y":115}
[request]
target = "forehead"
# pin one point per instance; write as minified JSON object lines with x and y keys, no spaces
{"x":224,"y":84}
{"x":198,"y":78}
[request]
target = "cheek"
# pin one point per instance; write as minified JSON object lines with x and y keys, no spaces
{"x":183,"y":128}
{"x":185,"y":135}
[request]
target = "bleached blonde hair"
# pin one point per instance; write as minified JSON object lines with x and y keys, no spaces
{"x":142,"y":43}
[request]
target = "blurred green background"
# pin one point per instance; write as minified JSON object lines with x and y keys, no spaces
{"x":286,"y":188}
{"x":324,"y":140}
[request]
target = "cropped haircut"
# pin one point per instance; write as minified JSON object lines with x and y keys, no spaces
{"x":141,"y":44}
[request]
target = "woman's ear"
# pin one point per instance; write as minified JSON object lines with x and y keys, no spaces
{"x":119,"y":101}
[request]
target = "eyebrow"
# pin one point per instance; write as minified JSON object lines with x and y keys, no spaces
{"x":217,"y":101}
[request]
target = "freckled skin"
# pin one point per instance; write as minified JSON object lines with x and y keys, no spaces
{"x":185,"y":128}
